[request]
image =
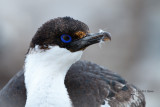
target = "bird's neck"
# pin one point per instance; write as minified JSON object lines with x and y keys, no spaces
{"x":45,"y":74}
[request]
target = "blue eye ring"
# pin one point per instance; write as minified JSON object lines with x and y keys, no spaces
{"x":68,"y":40}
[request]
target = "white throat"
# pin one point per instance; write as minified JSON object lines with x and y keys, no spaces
{"x":44,"y":76}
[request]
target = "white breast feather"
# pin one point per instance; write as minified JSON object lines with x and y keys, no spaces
{"x":44,"y":76}
{"x":106,"y":104}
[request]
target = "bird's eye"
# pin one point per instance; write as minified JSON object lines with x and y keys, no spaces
{"x":66,"y":38}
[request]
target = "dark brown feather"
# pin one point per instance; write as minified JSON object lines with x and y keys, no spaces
{"x":88,"y":85}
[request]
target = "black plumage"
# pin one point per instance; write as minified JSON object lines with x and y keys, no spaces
{"x":88,"y":85}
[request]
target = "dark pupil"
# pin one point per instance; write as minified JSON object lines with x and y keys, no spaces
{"x":66,"y":38}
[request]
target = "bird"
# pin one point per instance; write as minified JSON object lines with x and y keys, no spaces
{"x":54,"y":76}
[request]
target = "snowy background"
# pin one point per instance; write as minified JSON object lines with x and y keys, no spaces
{"x":134,"y":51}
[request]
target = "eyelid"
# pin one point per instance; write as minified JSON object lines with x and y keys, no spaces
{"x":65,"y":41}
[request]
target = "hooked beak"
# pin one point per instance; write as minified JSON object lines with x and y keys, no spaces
{"x":89,"y":39}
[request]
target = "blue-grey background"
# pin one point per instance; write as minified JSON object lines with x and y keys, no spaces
{"x":134,"y":51}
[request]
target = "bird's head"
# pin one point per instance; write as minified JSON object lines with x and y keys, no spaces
{"x":62,"y":39}
{"x":66,"y":33}
{"x":57,"y":45}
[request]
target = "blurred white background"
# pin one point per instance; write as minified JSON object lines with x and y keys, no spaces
{"x":134,"y":51}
